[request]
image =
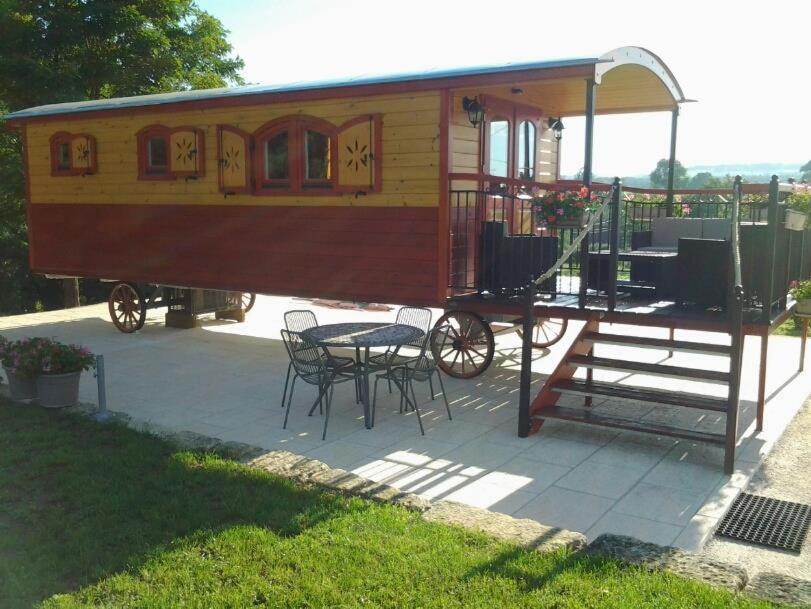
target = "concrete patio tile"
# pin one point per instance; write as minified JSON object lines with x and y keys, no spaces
{"x":341,"y":454}
{"x":453,"y":431}
{"x":626,"y":454}
{"x":696,"y":477}
{"x":505,"y":496}
{"x":600,"y":479}
{"x":416,"y":450}
{"x":559,"y":507}
{"x":584,"y":433}
{"x":539,"y":475}
{"x":559,"y":451}
{"x":660,"y":503}
{"x":696,"y":533}
{"x":641,"y":528}
{"x":483,"y":454}
{"x":719,"y":500}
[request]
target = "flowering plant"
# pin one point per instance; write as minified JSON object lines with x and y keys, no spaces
{"x":801,"y":290}
{"x":22,"y":357}
{"x":556,"y":207}
{"x":57,"y":358}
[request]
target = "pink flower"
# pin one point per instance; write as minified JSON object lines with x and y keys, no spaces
{"x":584,"y":192}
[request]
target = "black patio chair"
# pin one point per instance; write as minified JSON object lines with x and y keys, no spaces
{"x":298,"y":321}
{"x":317,"y":367}
{"x":417,"y":317}
{"x":419,"y":369}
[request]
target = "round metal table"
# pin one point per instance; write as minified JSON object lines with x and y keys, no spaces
{"x":361,"y":337}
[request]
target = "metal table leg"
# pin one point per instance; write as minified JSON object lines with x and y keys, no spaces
{"x":364,"y":385}
{"x":804,"y":322}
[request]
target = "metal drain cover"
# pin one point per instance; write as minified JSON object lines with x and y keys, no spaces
{"x":767,"y":522}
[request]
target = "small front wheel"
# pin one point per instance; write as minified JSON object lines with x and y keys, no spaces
{"x":248,"y":300}
{"x":462,"y":344}
{"x":127,"y":307}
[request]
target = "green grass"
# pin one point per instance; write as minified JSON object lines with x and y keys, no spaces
{"x":102,"y":516}
{"x":790,"y":328}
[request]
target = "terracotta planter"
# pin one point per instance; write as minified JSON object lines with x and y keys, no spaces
{"x":22,"y":388}
{"x":803,"y":307}
{"x":795,"y":220}
{"x":58,"y":390}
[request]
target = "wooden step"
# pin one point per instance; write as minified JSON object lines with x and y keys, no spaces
{"x":642,"y":394}
{"x":618,"y":365}
{"x":662,"y":344}
{"x":591,"y":416}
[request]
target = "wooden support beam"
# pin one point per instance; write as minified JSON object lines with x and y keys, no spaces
{"x":671,"y":167}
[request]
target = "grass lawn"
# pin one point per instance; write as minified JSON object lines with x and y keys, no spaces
{"x":102,"y":516}
{"x":790,"y":328}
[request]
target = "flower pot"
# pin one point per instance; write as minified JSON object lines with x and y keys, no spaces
{"x":795,"y":220}
{"x":803,"y":307}
{"x":22,"y":388}
{"x":58,"y":390}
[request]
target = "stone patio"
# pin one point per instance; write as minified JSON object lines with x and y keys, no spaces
{"x":226,"y":379}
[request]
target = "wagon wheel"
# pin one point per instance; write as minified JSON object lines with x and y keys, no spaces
{"x":547,"y":331}
{"x":127,"y":307}
{"x":248,"y":300}
{"x":463,"y":345}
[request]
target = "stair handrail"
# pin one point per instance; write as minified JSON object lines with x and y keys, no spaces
{"x":735,"y":313}
{"x":573,"y":246}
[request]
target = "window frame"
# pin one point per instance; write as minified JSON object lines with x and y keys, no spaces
{"x":296,"y":182}
{"x":61,"y":138}
{"x":162,"y":132}
{"x":515,"y":113}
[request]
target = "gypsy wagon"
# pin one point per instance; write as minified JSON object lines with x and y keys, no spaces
{"x":415,"y":189}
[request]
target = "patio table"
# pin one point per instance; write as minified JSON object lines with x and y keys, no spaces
{"x":361,"y":337}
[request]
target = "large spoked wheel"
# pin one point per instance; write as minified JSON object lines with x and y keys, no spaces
{"x":248,"y":300}
{"x":462,"y":344}
{"x":127,"y":307}
{"x":547,"y":331}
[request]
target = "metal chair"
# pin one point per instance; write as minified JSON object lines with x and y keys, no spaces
{"x":420,"y":369}
{"x":417,"y":317}
{"x":298,"y":321}
{"x":316,"y":367}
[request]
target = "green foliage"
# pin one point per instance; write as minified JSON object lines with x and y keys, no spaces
{"x":557,"y":206}
{"x":658,"y":177}
{"x":71,"y":50}
{"x":802,"y":290}
{"x":805,"y":172}
{"x":102,"y":516}
{"x":801,"y":201}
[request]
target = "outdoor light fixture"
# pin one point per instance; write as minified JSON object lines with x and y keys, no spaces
{"x":556,"y":125}
{"x":475,"y":111}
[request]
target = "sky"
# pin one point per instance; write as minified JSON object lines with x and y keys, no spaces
{"x":746,"y":63}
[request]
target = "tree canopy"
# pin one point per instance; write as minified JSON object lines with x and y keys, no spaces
{"x":805,"y":172}
{"x":658,"y":177}
{"x":72,"y":50}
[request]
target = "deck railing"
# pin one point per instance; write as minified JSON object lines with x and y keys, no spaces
{"x":497,"y":207}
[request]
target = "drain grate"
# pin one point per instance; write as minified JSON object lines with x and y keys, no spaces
{"x":767,"y":522}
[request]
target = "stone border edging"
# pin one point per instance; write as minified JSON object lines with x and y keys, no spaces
{"x":526,"y":533}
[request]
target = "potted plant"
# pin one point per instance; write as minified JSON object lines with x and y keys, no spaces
{"x":20,"y":360}
{"x":801,"y":292}
{"x":797,"y":207}
{"x":60,"y":370}
{"x":565,"y":208}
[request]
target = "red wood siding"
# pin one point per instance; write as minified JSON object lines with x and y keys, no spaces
{"x":355,"y":253}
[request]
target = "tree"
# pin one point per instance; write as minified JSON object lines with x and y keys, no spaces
{"x":700,"y":180}
{"x":805,"y":172}
{"x":658,"y":177}
{"x":71,"y":50}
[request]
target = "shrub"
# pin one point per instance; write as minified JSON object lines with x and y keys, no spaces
{"x":802,"y":290}
{"x":799,"y":201}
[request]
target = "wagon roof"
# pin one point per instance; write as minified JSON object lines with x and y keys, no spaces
{"x":403,"y":82}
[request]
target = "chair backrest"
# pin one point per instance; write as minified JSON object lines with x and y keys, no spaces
{"x":666,"y":232}
{"x":305,"y":356}
{"x":426,"y":360}
{"x":416,"y":317}
{"x":300,"y":320}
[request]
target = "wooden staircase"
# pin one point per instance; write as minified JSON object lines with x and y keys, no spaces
{"x":581,"y":355}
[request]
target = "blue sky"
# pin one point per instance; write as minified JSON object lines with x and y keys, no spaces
{"x":746,"y":62}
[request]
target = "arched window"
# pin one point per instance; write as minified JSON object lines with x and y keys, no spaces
{"x":72,"y":154}
{"x":168,"y":153}
{"x":525,"y":169}
{"x":498,"y":161}
{"x":295,"y":154}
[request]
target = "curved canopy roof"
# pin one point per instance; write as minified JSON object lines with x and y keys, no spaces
{"x":631,"y":79}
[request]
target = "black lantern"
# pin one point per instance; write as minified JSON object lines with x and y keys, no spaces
{"x":475,"y":111}
{"x":556,"y":125}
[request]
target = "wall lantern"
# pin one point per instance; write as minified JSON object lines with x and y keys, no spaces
{"x":475,"y":111}
{"x":556,"y":125}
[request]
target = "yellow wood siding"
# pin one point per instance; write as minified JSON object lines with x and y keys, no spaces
{"x":410,"y":154}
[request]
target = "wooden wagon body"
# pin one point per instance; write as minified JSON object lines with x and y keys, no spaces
{"x":189,"y":189}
